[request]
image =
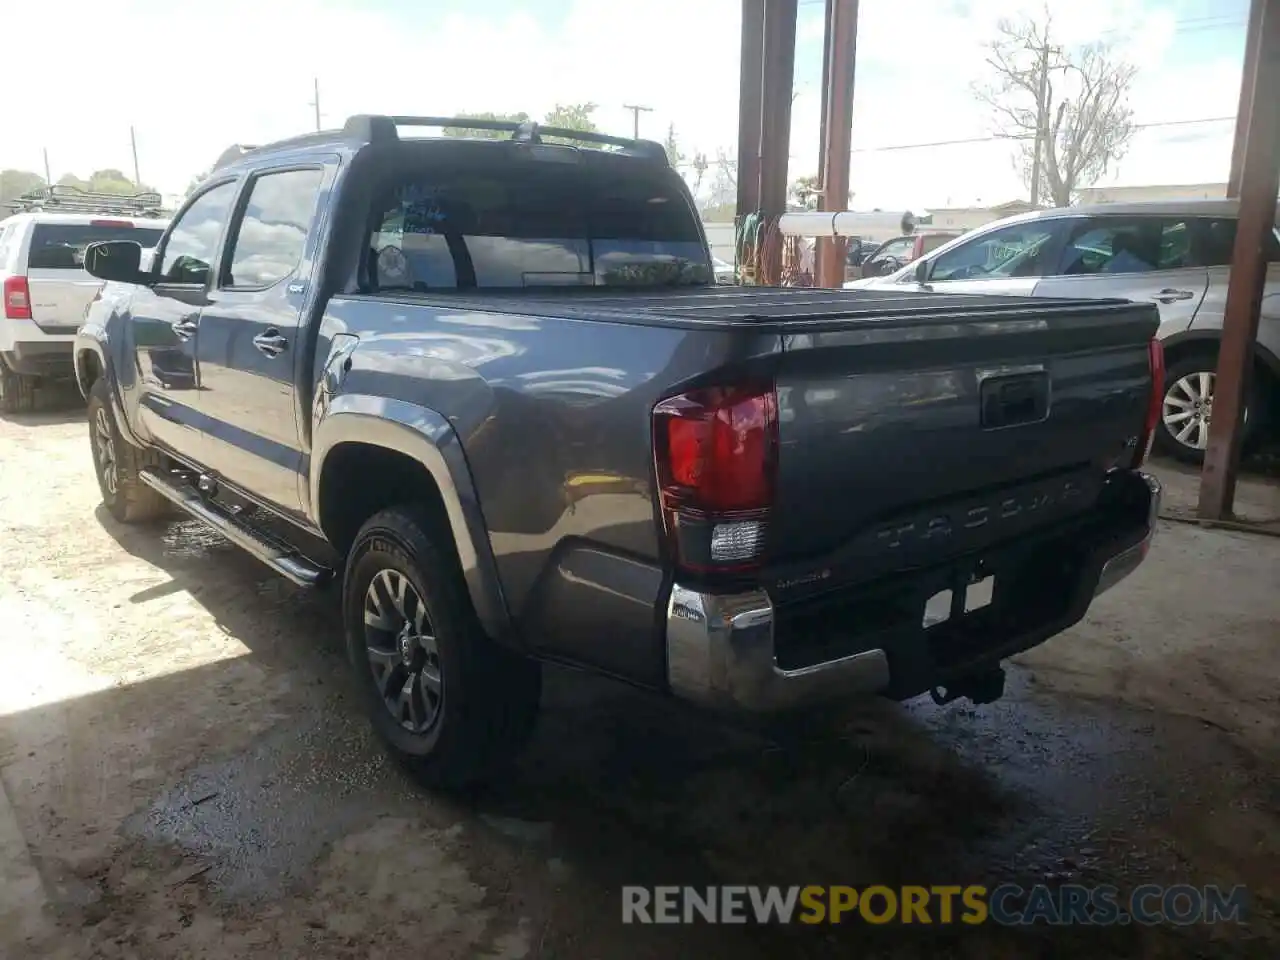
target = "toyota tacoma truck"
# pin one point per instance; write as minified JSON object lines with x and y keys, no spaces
{"x":488,"y":388}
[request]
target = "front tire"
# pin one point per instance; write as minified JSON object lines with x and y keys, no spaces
{"x":117,"y":463}
{"x":1186,"y":409}
{"x":450,"y":703}
{"x":17,"y":391}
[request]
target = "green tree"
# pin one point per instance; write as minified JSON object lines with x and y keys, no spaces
{"x":804,"y":192}
{"x":672,"y":146}
{"x":572,"y":116}
{"x":198,"y":179}
{"x":486,"y":134}
{"x":114,"y":181}
{"x":700,"y":166}
{"x":720,"y":212}
{"x":14,"y":183}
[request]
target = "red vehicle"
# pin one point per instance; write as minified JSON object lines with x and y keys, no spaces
{"x":892,"y":255}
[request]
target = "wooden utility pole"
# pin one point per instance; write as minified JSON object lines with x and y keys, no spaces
{"x":48,"y":177}
{"x":133,"y":142}
{"x":1041,"y":121}
{"x":636,"y":110}
{"x":316,"y":101}
{"x":1259,"y":183}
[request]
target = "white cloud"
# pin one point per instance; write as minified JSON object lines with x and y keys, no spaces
{"x":680,"y":57}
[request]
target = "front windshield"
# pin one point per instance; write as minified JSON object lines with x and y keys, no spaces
{"x":1012,"y":251}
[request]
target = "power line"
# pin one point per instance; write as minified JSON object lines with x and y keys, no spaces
{"x":1029,"y":136}
{"x":991,"y":138}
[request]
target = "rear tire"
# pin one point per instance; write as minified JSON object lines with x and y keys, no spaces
{"x":451,"y":704}
{"x":17,"y":391}
{"x":117,"y":463}
{"x":1186,"y":408}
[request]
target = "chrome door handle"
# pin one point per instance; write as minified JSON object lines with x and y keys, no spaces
{"x":185,"y":328}
{"x":271,"y":343}
{"x":1169,"y":295}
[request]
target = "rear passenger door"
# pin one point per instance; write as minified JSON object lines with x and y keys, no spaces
{"x":1142,"y":258}
{"x":250,"y":348}
{"x":164,"y":321}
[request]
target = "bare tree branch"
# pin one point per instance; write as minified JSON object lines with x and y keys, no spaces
{"x":1083,"y":119}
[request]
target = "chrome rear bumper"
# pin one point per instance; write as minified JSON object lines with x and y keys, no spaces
{"x":720,"y":648}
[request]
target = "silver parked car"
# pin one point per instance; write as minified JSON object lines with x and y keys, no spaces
{"x":1175,"y":253}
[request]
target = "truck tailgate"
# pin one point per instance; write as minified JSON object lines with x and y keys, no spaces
{"x":920,"y":427}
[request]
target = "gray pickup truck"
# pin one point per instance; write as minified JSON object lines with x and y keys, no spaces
{"x":489,"y":387}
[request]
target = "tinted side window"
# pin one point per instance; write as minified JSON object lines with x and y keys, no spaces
{"x":1215,"y":240}
{"x":1109,"y":245}
{"x":1019,"y":250}
{"x":193,"y":241}
{"x":61,"y":246}
{"x":272,"y":232}
{"x":544,"y":225}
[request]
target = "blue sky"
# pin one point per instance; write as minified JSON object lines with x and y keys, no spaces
{"x":917,"y":59}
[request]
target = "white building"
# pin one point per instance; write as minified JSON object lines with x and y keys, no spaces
{"x":1140,"y":192}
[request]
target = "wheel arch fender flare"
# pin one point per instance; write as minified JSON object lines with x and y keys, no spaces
{"x":1213,"y":338}
{"x":427,"y":437}
{"x":94,"y":344}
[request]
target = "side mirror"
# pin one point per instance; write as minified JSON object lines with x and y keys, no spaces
{"x":116,"y":260}
{"x":922,"y":272}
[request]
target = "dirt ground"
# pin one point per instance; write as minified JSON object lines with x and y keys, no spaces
{"x":183,"y":773}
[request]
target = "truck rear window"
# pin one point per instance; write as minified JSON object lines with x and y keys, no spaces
{"x":61,"y":246}
{"x":546,"y":224}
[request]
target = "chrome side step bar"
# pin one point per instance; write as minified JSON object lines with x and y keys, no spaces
{"x":289,"y":564}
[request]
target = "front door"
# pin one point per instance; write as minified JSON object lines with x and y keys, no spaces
{"x":1008,"y":260}
{"x":1151,"y":259}
{"x":250,"y":353}
{"x":165,"y":320}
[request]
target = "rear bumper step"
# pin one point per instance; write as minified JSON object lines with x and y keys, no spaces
{"x":287,"y":563}
{"x":722,"y":650}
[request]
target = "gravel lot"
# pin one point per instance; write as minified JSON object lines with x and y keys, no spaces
{"x":183,"y":775}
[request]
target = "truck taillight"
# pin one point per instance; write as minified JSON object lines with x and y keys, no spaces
{"x":17,"y":298}
{"x":717,"y":459}
{"x":1155,"y":403}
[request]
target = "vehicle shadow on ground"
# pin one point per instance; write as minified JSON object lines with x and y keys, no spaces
{"x":622,"y":786}
{"x":61,"y":404}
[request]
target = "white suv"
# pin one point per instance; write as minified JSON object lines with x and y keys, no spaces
{"x":46,"y":292}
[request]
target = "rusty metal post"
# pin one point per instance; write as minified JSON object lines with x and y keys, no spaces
{"x":833,"y":163}
{"x":1252,"y":38}
{"x":826,"y":87}
{"x":775,"y":134}
{"x":1259,"y":183}
{"x":750,"y":99}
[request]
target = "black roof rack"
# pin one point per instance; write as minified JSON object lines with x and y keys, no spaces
{"x":61,"y":198}
{"x":374,"y":128}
